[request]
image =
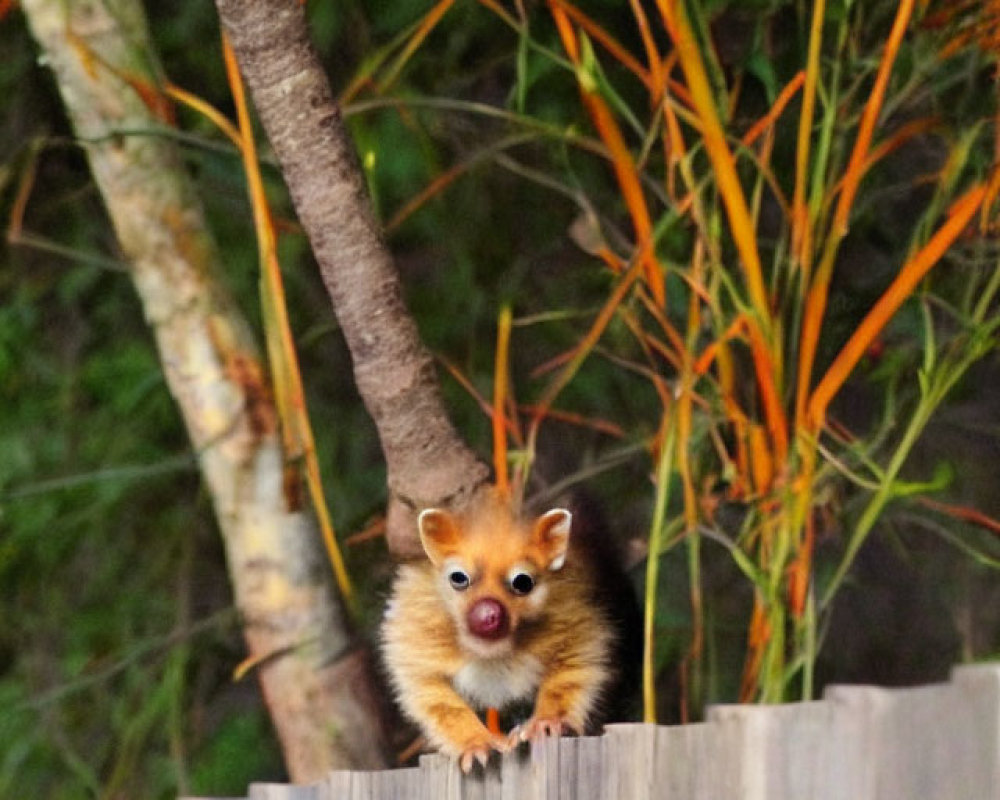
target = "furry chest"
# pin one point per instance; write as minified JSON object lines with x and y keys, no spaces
{"x":497,"y":682}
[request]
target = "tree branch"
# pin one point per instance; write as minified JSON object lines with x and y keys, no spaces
{"x":428,"y":464}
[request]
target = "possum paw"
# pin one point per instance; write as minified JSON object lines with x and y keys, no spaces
{"x":480,"y":749}
{"x":538,"y":728}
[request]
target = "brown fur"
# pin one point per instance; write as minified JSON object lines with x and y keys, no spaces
{"x":556,"y":651}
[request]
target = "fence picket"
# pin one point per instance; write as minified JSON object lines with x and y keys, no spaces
{"x":937,"y":742}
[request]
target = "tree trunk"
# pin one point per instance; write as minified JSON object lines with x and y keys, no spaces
{"x":428,"y":464}
{"x":316,"y":682}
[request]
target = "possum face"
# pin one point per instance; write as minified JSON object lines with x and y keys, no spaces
{"x":492,"y":571}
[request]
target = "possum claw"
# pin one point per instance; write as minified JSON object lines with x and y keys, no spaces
{"x":481,"y":752}
{"x":471,"y":756}
{"x":536,"y":728}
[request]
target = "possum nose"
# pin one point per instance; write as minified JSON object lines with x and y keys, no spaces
{"x":488,"y":619}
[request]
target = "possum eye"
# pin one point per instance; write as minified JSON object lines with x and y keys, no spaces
{"x":459,"y":580}
{"x":521,"y":583}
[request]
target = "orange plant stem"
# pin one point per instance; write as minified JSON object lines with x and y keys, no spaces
{"x":608,"y":42}
{"x":723,"y":164}
{"x":718,"y":352}
{"x":483,"y":404}
{"x":817,"y":295}
{"x":901,"y":288}
{"x":656,"y":72}
{"x":774,"y":414}
{"x":964,"y":513}
{"x":765,"y":351}
{"x":582,"y":349}
{"x":621,"y":158}
{"x":775,"y":111}
{"x":423,"y":30}
{"x":799,"y":572}
{"x":493,"y":720}
{"x":499,"y":418}
{"x":286,"y":378}
{"x":204,"y":108}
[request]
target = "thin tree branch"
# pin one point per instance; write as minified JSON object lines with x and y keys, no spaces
{"x":428,"y":464}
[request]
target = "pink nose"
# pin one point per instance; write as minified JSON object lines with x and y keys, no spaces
{"x":488,"y":619}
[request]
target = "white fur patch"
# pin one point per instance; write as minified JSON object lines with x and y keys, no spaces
{"x":497,"y":682}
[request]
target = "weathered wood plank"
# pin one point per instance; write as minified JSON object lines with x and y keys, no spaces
{"x":698,"y":762}
{"x":522,"y":776}
{"x":581,"y":767}
{"x":779,"y":750}
{"x":978,"y":686}
{"x":628,"y":761}
{"x":282,"y":791}
{"x":482,"y":783}
{"x":858,"y":743}
{"x":442,"y":778}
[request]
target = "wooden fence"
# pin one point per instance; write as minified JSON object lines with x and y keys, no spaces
{"x":939,"y":742}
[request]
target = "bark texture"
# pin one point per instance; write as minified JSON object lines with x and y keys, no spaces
{"x":428,"y":464}
{"x":315,"y":681}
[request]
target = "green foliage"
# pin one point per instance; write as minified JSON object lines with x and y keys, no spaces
{"x":238,"y":753}
{"x":118,"y":641}
{"x":115,"y":641}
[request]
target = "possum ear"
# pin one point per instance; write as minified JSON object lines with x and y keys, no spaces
{"x":439,"y":534}
{"x":551,"y":537}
